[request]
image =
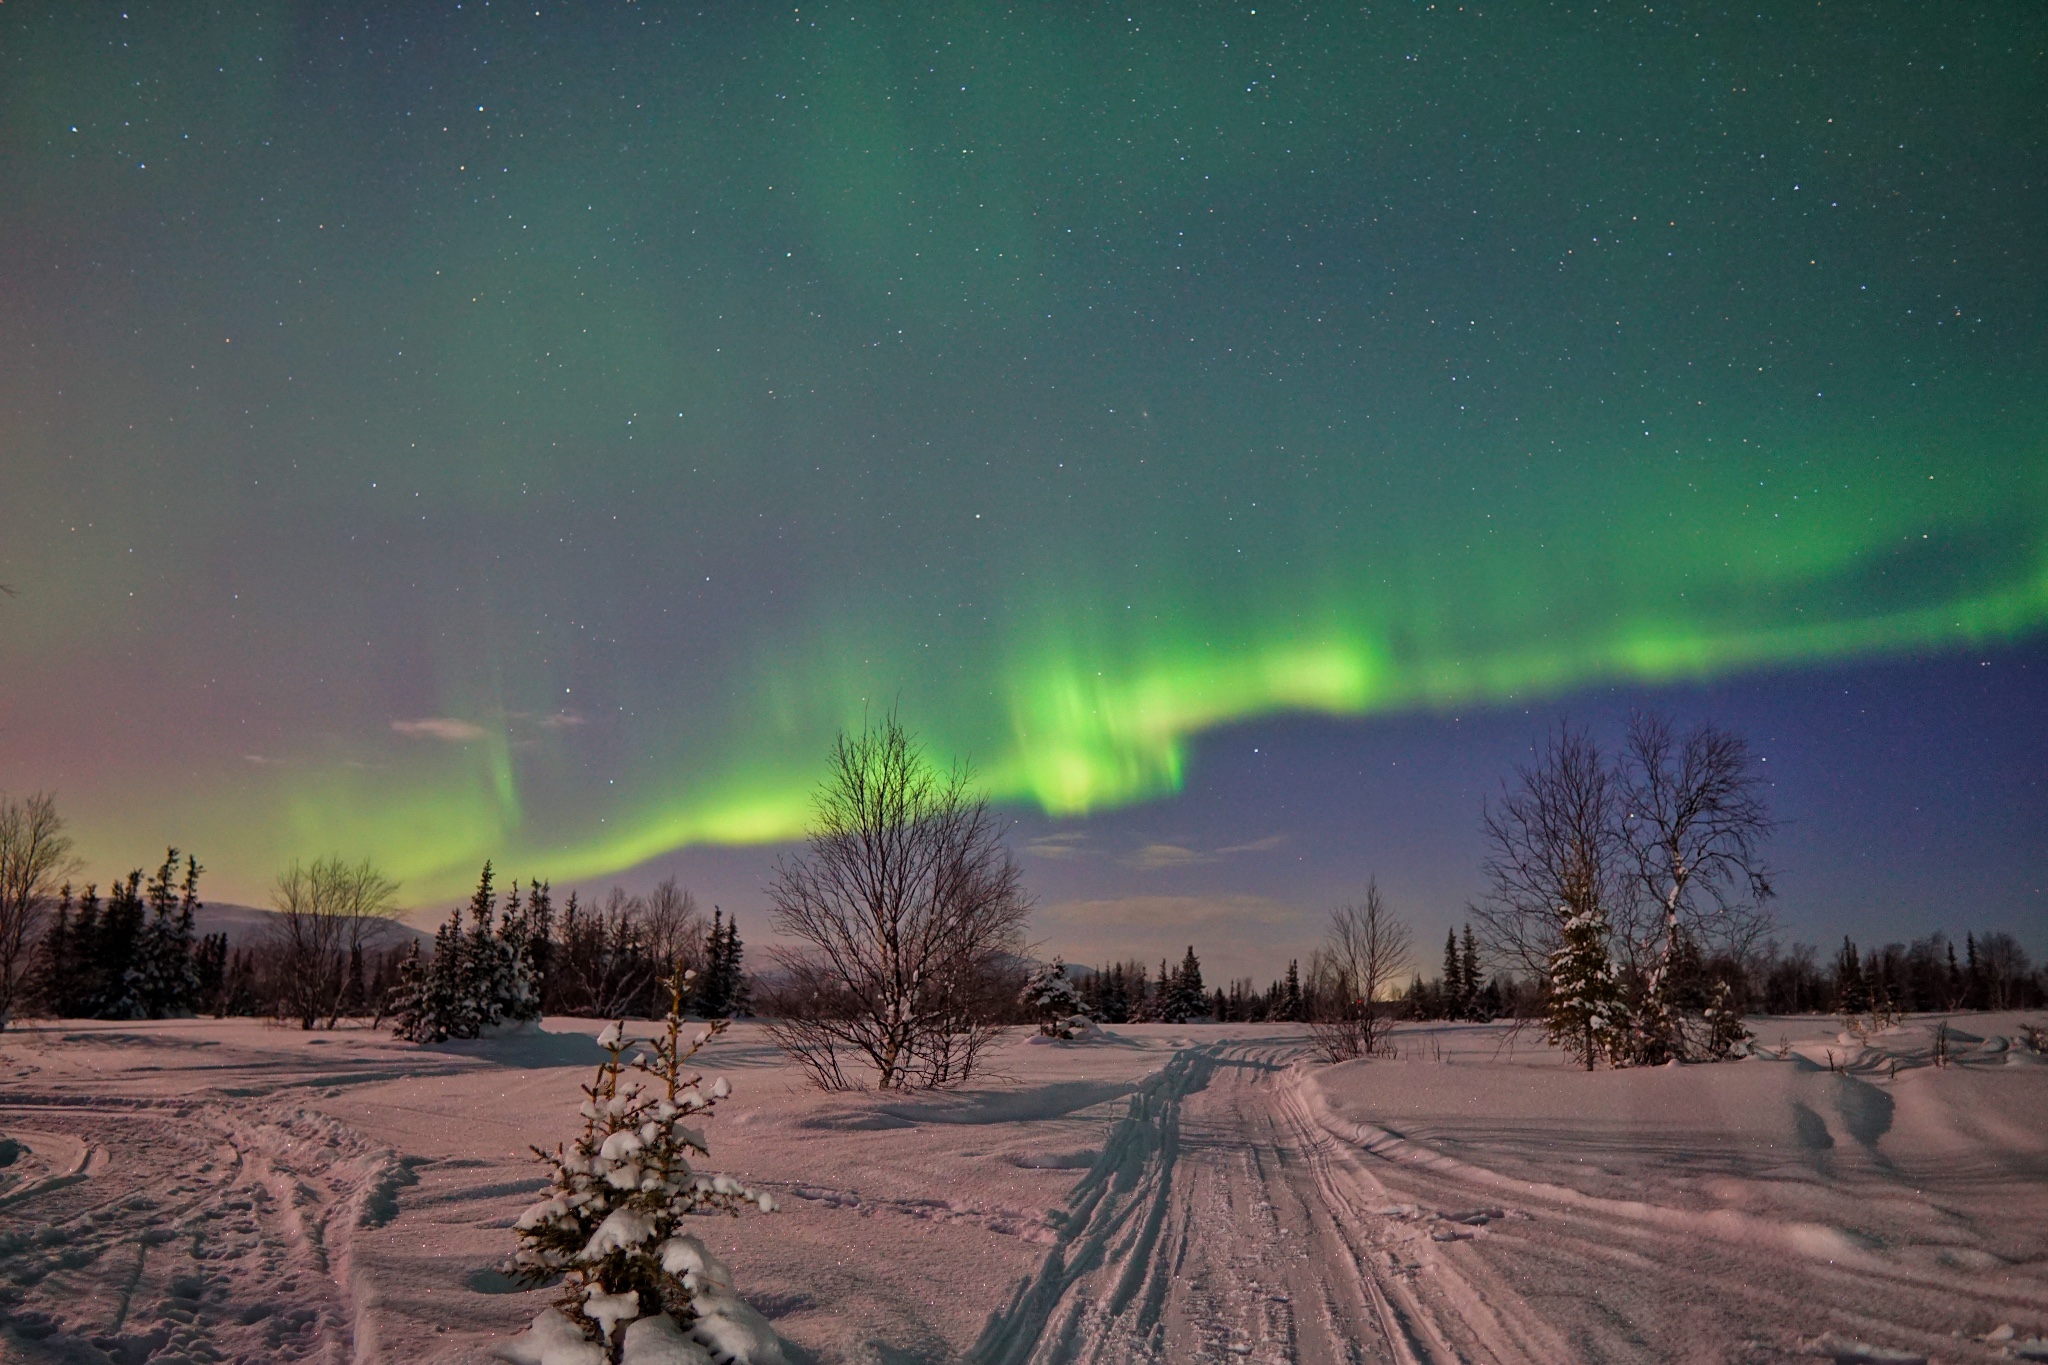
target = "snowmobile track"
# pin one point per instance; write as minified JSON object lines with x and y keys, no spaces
{"x":1221,"y":1223}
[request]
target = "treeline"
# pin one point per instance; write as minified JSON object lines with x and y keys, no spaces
{"x":1927,"y":975}
{"x":511,"y":959}
{"x":332,"y":953}
{"x":133,"y":955}
{"x":1129,"y":993}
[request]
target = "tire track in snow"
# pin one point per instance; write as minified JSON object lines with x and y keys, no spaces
{"x":1220,"y":1223}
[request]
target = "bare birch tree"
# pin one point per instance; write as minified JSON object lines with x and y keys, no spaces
{"x":327,"y":912}
{"x":905,"y":910}
{"x":1365,"y":950}
{"x":35,"y":854}
{"x":1694,"y":821}
{"x":674,"y":929}
{"x":1555,"y":851}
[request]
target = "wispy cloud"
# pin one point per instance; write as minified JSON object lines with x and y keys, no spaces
{"x":263,"y":760}
{"x":1062,"y":847}
{"x":444,"y":728}
{"x":1157,"y":856}
{"x":1152,"y":857}
{"x":563,"y":720}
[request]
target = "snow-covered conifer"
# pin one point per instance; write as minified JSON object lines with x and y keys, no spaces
{"x":1050,"y":995}
{"x":1182,"y":995}
{"x":1292,"y":1007}
{"x":161,"y":976}
{"x":479,"y":977}
{"x":636,"y":1286}
{"x":1584,"y":1007}
{"x":407,"y":1005}
{"x":1727,"y":1036}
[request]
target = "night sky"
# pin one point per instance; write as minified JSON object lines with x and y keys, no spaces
{"x":448,"y":431}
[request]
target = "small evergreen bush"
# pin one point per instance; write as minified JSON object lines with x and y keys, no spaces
{"x":635,"y":1284}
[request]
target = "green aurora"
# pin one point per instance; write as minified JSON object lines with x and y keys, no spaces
{"x":473,"y":434}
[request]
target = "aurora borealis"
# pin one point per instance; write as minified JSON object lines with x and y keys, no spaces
{"x":441,"y":432}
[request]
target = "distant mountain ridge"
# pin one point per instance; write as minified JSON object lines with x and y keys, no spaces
{"x":247,"y":924}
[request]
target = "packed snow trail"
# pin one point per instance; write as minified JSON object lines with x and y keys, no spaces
{"x":1222,"y":1224}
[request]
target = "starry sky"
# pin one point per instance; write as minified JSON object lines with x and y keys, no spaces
{"x":530,"y":431}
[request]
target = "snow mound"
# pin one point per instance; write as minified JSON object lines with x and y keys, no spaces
{"x":1077,"y":1029}
{"x":551,"y":1340}
{"x":727,"y":1331}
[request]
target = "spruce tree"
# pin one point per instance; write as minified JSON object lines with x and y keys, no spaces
{"x":478,"y":974}
{"x":1852,"y":992}
{"x":112,"y":993}
{"x":1116,"y":996}
{"x":514,"y":997}
{"x":439,"y":1012}
{"x":1187,"y":999}
{"x":1050,"y":996}
{"x":1291,"y":1003}
{"x":540,"y":924}
{"x":1727,"y":1035}
{"x":52,"y":974}
{"x":1454,"y":976}
{"x":408,"y":1004}
{"x":160,"y":976}
{"x":713,"y":984}
{"x":355,"y":990}
{"x":733,"y":979}
{"x":1584,"y":1004}
{"x":622,"y":1200}
{"x":1468,"y":977}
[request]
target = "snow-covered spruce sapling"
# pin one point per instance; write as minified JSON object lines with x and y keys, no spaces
{"x":1051,"y":996}
{"x":612,"y":1224}
{"x":1727,"y":1036}
{"x":1583,"y":1009}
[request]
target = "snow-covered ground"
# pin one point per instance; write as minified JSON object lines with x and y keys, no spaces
{"x":211,"y":1191}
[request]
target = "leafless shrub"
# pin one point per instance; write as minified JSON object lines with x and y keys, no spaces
{"x":674,"y":929}
{"x":35,"y":854}
{"x":906,"y":911}
{"x":1364,"y":951}
{"x":329,"y":912}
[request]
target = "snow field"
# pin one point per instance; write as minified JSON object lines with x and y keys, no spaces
{"x":201,"y":1191}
